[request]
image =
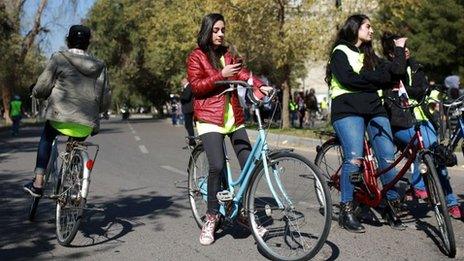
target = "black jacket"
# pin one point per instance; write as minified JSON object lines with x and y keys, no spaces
{"x":417,"y":89}
{"x":365,"y":102}
{"x":186,"y":99}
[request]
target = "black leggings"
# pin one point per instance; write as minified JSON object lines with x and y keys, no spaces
{"x":213,"y":145}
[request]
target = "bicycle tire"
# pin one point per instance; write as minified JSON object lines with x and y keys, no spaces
{"x":438,"y":204}
{"x":261,"y":208}
{"x":33,"y":208}
{"x":69,"y":199}
{"x":331,"y":170}
{"x":197,"y":177}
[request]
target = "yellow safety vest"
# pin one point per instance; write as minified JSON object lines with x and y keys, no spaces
{"x":355,"y":60}
{"x":418,"y":112}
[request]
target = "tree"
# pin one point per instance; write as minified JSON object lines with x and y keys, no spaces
{"x":16,"y":47}
{"x":435,"y":31}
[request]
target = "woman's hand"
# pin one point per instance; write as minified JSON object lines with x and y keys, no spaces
{"x":231,"y":70}
{"x":266,"y":89}
{"x":400,"y":42}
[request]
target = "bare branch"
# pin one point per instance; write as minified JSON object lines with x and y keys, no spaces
{"x":30,"y":37}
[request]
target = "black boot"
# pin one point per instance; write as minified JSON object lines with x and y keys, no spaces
{"x":391,"y":214}
{"x":348,"y":220}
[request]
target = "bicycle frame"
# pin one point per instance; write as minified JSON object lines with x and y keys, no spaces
{"x":372,"y":195}
{"x":457,"y":135}
{"x":259,"y":152}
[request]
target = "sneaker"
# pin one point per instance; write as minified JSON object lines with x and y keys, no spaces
{"x":35,"y":192}
{"x":207,"y":232}
{"x":456,"y":212}
{"x":421,"y":193}
{"x":192,"y":142}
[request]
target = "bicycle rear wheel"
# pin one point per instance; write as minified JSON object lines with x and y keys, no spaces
{"x":70,"y":203}
{"x":329,"y":159}
{"x":439,"y":207}
{"x":198,"y":169}
{"x":298,"y":230}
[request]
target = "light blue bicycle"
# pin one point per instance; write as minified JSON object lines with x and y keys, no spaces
{"x":275,"y":192}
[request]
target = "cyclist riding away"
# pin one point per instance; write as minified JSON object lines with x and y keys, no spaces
{"x":76,"y":87}
{"x":217,"y":114}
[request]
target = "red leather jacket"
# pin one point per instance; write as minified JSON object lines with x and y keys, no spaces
{"x":209,"y":105}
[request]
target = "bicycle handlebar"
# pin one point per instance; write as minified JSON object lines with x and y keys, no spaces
{"x":248,"y":87}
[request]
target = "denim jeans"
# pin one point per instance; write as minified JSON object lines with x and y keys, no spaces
{"x":45,"y":147}
{"x":350,"y":131}
{"x":430,"y":137}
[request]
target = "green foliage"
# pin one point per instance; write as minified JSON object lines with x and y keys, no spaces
{"x":435,"y":29}
{"x":146,"y":43}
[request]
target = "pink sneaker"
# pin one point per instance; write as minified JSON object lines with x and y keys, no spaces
{"x":207,"y":232}
{"x":456,"y":212}
{"x":421,"y":193}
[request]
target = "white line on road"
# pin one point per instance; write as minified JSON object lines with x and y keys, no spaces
{"x":133,"y":131}
{"x":137,"y":138}
{"x":143,"y":149}
{"x":172,"y":169}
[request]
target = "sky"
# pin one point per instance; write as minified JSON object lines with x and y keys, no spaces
{"x":58,"y":16}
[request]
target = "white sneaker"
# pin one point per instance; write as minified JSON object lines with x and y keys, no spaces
{"x":207,"y":232}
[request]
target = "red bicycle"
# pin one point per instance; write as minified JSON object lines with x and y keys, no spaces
{"x":368,"y":193}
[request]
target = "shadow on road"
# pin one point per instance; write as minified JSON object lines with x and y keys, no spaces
{"x":105,"y":223}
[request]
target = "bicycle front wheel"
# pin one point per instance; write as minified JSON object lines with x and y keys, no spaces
{"x":439,"y":207}
{"x":329,"y":159}
{"x":296,"y":229}
{"x":70,"y":203}
{"x":197,"y":184}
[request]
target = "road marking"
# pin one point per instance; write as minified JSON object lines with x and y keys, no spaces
{"x":133,"y":131}
{"x":137,"y":138}
{"x":172,"y":169}
{"x":143,"y":149}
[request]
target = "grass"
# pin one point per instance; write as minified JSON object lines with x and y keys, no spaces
{"x":298,"y":132}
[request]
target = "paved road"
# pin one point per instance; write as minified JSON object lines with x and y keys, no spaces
{"x":139,"y":209}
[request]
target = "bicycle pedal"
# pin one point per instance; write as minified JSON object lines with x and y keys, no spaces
{"x":224,"y":196}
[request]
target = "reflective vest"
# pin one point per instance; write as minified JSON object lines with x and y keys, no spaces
{"x":15,"y":108}
{"x":292,"y":106}
{"x":355,"y":60}
{"x":418,"y":112}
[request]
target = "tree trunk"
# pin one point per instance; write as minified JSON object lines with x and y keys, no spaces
{"x":285,"y":101}
{"x":9,"y":82}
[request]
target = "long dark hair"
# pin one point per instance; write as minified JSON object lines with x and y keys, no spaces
{"x":388,"y":44}
{"x":204,"y":39}
{"x":349,"y":33}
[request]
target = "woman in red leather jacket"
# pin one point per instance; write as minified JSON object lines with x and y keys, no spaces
{"x":217,"y":114}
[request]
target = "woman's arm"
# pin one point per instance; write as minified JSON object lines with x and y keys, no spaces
{"x":201,"y":86}
{"x":43,"y":87}
{"x":244,"y":75}
{"x":344,"y":73}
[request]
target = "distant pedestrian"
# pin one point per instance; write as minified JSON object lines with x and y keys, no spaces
{"x":311,"y":105}
{"x":293,"y":108}
{"x":186,"y":99}
{"x":16,"y":112}
{"x":174,"y":108}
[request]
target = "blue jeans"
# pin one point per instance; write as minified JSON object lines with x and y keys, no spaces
{"x":430,"y":138}
{"x":174,"y":118}
{"x":350,"y":131}
{"x":45,"y":147}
